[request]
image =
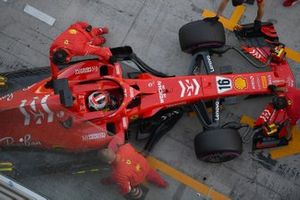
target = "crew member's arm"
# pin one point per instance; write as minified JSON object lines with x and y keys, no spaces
{"x":260,"y":10}
{"x":221,"y":7}
{"x":119,"y":138}
{"x":102,"y":52}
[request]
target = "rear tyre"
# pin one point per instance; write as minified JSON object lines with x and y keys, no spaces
{"x":218,"y":145}
{"x":199,"y":35}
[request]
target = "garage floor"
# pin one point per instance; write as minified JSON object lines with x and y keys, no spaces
{"x":151,"y":28}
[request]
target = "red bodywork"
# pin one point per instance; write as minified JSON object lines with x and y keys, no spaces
{"x":34,"y":116}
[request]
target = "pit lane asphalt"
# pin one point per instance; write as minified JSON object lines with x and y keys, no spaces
{"x":151,"y":27}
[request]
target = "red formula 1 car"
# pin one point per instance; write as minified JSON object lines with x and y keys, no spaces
{"x":54,"y":114}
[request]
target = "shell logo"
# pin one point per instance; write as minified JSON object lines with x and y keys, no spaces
{"x":73,"y":31}
{"x":240,"y":83}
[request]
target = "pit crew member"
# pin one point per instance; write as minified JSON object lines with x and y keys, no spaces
{"x":129,"y":170}
{"x":259,"y":15}
{"x":80,"y":39}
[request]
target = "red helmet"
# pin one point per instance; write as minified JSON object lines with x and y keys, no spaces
{"x":98,"y":100}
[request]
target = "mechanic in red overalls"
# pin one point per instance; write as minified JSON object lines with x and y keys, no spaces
{"x":259,"y":15}
{"x":129,"y":170}
{"x":293,"y":110}
{"x":282,"y":113}
{"x":80,"y":39}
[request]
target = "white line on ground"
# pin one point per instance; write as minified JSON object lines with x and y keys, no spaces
{"x":19,"y":189}
{"x":39,"y":15}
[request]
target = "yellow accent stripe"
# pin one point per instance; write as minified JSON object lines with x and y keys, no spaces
{"x":237,"y":14}
{"x":80,"y":172}
{"x":247,"y":120}
{"x":209,"y":110}
{"x":6,"y":169}
{"x":292,"y":54}
{"x":94,"y":170}
{"x":6,"y":164}
{"x":187,"y":180}
{"x":291,"y":149}
{"x":3,"y":81}
{"x":233,"y":21}
{"x":85,"y":171}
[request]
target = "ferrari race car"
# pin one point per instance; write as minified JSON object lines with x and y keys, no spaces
{"x":53,"y":113}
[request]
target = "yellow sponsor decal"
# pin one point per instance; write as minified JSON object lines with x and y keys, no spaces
{"x":66,"y":42}
{"x":128,"y":162}
{"x":240,"y":83}
{"x":73,"y":31}
{"x":138,"y":167}
{"x":264,"y":81}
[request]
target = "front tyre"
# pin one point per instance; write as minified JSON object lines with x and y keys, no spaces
{"x":218,"y":145}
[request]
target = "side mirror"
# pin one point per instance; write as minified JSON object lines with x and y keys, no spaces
{"x":61,"y":87}
{"x":122,"y":53}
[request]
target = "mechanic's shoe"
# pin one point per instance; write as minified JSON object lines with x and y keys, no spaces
{"x":136,"y":193}
{"x":289,"y":3}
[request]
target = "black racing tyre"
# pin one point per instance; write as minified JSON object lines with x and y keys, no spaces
{"x":201,"y":34}
{"x":218,"y":145}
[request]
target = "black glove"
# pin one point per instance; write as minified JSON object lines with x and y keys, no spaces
{"x":257,"y":25}
{"x":113,"y":59}
{"x":59,"y":57}
{"x":214,"y":19}
{"x":88,"y":28}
